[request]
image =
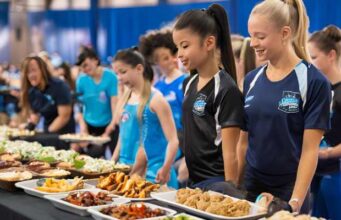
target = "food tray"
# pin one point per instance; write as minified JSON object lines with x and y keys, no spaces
{"x":30,"y":185}
{"x":10,"y":185}
{"x":183,"y":216}
{"x":256,"y":212}
{"x":57,"y":201}
{"x":96,"y":214}
{"x":86,"y":175}
{"x":95,"y":141}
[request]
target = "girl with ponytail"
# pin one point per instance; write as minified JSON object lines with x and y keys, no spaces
{"x":286,"y":106}
{"x":213,"y":104}
{"x":148,"y":130}
{"x":325,"y":51}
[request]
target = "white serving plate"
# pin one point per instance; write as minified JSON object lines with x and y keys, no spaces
{"x":29,"y":187}
{"x":256,"y":212}
{"x":57,"y":201}
{"x":94,"y":183}
{"x":96,"y":214}
{"x":190,"y":217}
{"x":96,"y":140}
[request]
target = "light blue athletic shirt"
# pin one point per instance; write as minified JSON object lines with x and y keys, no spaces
{"x":174,"y":95}
{"x":155,"y":145}
{"x":96,"y":97}
{"x":129,"y":134}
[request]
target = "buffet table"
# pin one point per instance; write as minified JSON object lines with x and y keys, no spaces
{"x":21,"y":206}
{"x":45,"y":140}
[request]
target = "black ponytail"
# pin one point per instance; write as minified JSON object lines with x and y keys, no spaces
{"x":212,"y":21}
{"x":223,"y":38}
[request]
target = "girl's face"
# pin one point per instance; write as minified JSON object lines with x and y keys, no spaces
{"x":89,"y":66}
{"x":164,"y":58}
{"x":319,"y":58}
{"x":34,"y":74}
{"x":127,"y":75}
{"x":191,"y":50}
{"x":266,"y":38}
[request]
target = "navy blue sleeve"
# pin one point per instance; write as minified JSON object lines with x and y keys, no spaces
{"x":246,"y":86}
{"x":317,"y":107}
{"x":36,"y":99}
{"x":63,"y":96}
{"x":231,"y":109}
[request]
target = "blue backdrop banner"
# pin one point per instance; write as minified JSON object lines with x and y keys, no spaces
{"x":4,"y":32}
{"x":65,"y":31}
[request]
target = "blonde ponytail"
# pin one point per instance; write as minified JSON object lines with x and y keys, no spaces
{"x":301,"y":33}
{"x":290,"y":13}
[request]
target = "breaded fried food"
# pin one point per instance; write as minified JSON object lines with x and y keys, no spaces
{"x":202,"y":205}
{"x":216,"y":198}
{"x":129,"y":186}
{"x":212,"y":202}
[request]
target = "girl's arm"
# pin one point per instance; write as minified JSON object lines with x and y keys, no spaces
{"x":140,"y":162}
{"x":111,"y":126}
{"x":241,"y":154}
{"x":116,"y":154}
{"x":161,"y":107}
{"x":330,"y":152}
{"x":34,"y":118}
{"x":82,"y":124}
{"x":306,"y":167}
{"x":230,"y":136}
{"x":32,"y":121}
{"x":64,"y":114}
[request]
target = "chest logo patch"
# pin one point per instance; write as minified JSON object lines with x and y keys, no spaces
{"x":171,"y":96}
{"x":102,"y":97}
{"x":199,"y":105}
{"x":125,"y":117}
{"x":290,"y":102}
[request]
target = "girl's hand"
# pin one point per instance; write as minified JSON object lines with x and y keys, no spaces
{"x":22,"y":126}
{"x":324,"y":153}
{"x":108,"y":130}
{"x":162,"y":176}
{"x":264,"y":200}
{"x":84,"y":130}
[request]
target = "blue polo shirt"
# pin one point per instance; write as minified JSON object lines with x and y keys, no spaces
{"x":277,"y":113}
{"x":174,"y":95}
{"x":96,"y":97}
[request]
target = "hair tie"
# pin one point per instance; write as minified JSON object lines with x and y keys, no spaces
{"x":210,"y":12}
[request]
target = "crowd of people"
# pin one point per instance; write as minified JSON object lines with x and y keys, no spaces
{"x":195,"y":105}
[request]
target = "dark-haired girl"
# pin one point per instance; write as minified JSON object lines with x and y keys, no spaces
{"x":44,"y":95}
{"x":98,"y":88}
{"x":155,"y":128}
{"x":213,"y":104}
{"x":325,"y":50}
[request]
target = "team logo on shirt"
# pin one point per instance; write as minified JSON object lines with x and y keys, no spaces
{"x":290,"y":102}
{"x":125,"y":117}
{"x":199,"y":105}
{"x":171,"y":96}
{"x":102,"y":97}
{"x":247,"y":101}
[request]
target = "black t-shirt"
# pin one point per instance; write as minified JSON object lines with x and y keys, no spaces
{"x":333,"y":136}
{"x":56,"y":93}
{"x":219,"y":104}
